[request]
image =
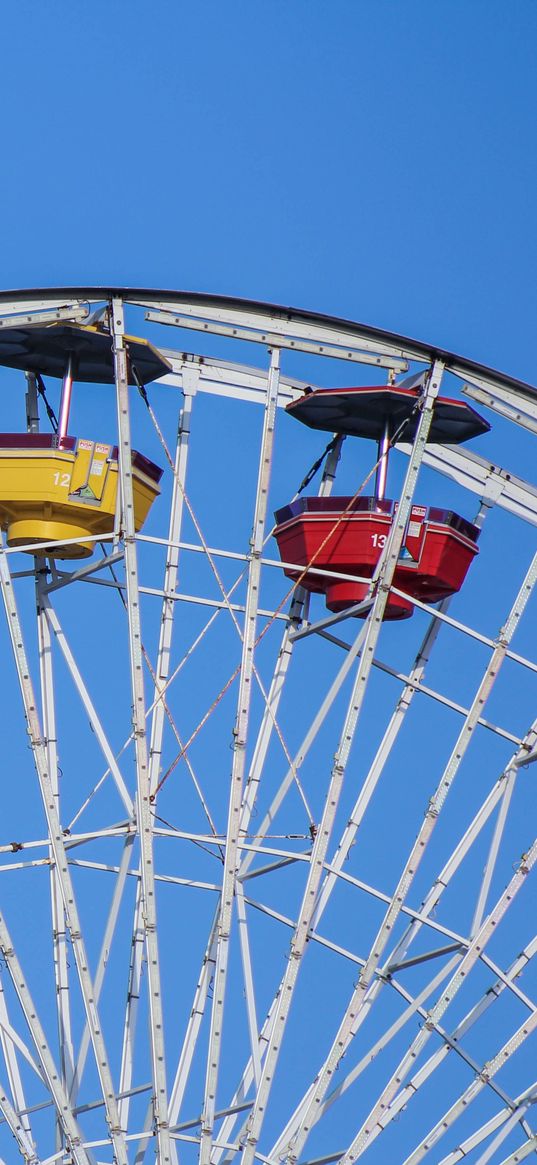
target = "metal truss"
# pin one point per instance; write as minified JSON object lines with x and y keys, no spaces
{"x":265,"y":872}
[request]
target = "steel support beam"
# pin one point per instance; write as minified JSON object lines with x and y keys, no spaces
{"x":239,"y":759}
{"x":143,"y":795}
{"x":57,"y":843}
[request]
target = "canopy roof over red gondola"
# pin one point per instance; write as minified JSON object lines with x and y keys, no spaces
{"x":364,"y":412}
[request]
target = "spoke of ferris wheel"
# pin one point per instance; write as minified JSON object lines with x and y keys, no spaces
{"x":388,"y":740}
{"x":401,"y":949}
{"x":161,"y":680}
{"x":104,"y":955}
{"x":10,"y":1037}
{"x":244,"y":1087}
{"x":507,"y":1124}
{"x":146,"y":1138}
{"x":239,"y":758}
{"x":194,"y":1023}
{"x":451,"y":1043}
{"x":456,"y":940}
{"x":348,"y":1024}
{"x":440,"y":698}
{"x":10,"y":1045}
{"x":496,"y":794}
{"x":250,"y":851}
{"x":88,"y":705}
{"x":431,"y":900}
{"x":303,"y":749}
{"x":174,"y":536}
{"x":387,"y":743}
{"x":19,"y":1130}
{"x":373,"y":625}
{"x":360,"y":1142}
{"x":414,"y":1005}
{"x":403,"y":1097}
{"x":60,"y":938}
{"x":503,"y":1134}
{"x":277,"y":687}
{"x":162,"y":668}
{"x":490,"y":1126}
{"x":57,"y":842}
{"x":478,"y":1084}
{"x":452,"y":864}
{"x":131,"y":1011}
{"x":143,"y":794}
{"x":248,"y":981}
{"x":50,"y":1073}
{"x":494,"y":848}
{"x":522,"y":1153}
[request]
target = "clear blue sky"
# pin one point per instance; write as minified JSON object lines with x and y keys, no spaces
{"x":374,"y":158}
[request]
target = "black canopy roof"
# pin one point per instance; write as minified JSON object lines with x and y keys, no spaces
{"x":47,"y":350}
{"x":363,"y":412}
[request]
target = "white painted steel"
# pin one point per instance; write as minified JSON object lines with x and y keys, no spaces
{"x":74,"y":314}
{"x":482,"y":477}
{"x":69,"y":903}
{"x":143,"y":803}
{"x":276,"y":338}
{"x":10,"y":1042}
{"x":240,"y":733}
{"x":48,"y":1067}
{"x":258,"y":854}
{"x":474,"y":951}
{"x":61,"y":958}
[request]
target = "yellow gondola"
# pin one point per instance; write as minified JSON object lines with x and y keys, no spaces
{"x":57,"y":489}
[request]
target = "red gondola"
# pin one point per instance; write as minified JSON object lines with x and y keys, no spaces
{"x":320,"y":537}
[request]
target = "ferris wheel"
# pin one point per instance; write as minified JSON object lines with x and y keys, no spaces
{"x":269,"y":684}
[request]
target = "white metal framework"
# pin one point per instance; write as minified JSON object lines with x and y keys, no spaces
{"x":266,"y":874}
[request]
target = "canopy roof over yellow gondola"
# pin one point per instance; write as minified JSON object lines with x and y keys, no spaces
{"x":48,"y":350}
